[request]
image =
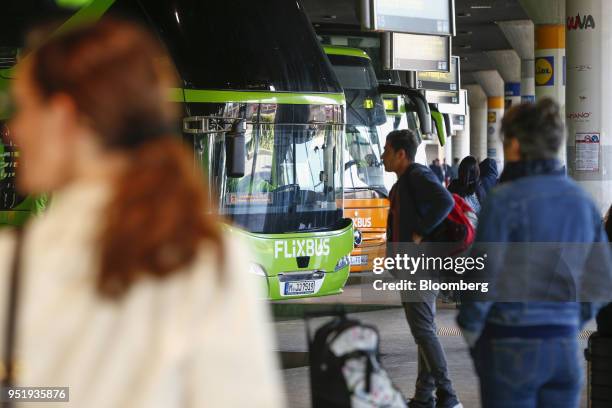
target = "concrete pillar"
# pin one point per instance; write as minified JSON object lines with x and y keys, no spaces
{"x":589,"y":97}
{"x":448,"y":151}
{"x":549,"y":19}
{"x":508,"y":63}
{"x":493,"y":85}
{"x":528,"y":80}
{"x":520,"y":35}
{"x":461,"y":139}
{"x":477,"y":102}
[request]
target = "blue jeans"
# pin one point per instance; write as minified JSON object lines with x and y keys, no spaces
{"x":529,"y":372}
{"x":432,"y":371}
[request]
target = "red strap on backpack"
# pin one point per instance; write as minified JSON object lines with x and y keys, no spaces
{"x":457,"y":215}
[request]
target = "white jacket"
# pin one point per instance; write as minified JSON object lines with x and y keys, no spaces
{"x":186,"y":341}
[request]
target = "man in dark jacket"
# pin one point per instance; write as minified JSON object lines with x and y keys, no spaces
{"x":419,"y":203}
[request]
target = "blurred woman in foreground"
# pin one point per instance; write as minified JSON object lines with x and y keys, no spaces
{"x":130,"y":293}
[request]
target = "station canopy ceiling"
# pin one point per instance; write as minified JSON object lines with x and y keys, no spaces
{"x":477,"y":30}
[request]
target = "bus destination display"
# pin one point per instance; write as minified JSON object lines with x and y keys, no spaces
{"x":434,"y":17}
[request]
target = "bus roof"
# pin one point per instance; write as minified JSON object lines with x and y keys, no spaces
{"x":347,"y":51}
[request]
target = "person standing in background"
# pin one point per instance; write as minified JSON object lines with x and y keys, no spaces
{"x":488,"y":174}
{"x":418,"y":204}
{"x":130,"y":292}
{"x":454,"y":169}
{"x":526,"y":352}
{"x":446,"y":172}
{"x":604,"y":317}
{"x":437,"y":169}
{"x":468,"y":185}
{"x":608,"y":223}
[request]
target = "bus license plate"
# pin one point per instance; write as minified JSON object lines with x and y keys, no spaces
{"x":359,"y":260}
{"x":300,"y":287}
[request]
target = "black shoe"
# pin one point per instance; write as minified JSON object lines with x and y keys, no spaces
{"x":413,"y":403}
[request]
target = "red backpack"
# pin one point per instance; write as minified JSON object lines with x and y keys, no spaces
{"x":459,"y":214}
{"x":456,"y":229}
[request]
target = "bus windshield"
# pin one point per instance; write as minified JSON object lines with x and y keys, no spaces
{"x":292,"y":178}
{"x":291,"y":182}
{"x":365,"y":111}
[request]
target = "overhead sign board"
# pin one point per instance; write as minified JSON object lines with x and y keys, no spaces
{"x":441,"y":97}
{"x":441,"y":81}
{"x":458,"y":108}
{"x":441,"y":87}
{"x":458,"y":122}
{"x":414,"y":52}
{"x":434,"y":17}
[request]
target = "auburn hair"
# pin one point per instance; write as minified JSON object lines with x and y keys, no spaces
{"x":119,"y":78}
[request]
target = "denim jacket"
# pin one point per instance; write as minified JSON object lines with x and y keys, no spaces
{"x":537,"y":204}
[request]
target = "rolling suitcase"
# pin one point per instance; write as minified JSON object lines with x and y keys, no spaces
{"x":345,"y":367}
{"x":599,"y":371}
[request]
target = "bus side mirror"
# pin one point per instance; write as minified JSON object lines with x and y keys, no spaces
{"x":438,"y":122}
{"x":235,"y":150}
{"x":414,"y":101}
{"x":417,"y":103}
{"x":448,"y":125}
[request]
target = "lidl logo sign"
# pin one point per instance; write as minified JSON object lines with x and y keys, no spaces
{"x":545,"y":71}
{"x":492,"y":117}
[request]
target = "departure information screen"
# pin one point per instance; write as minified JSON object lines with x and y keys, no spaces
{"x":440,"y":81}
{"x":413,"y":52}
{"x":413,"y":16}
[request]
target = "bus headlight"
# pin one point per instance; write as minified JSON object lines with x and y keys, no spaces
{"x":342,"y":263}
{"x":358,"y":238}
{"x":257,"y":270}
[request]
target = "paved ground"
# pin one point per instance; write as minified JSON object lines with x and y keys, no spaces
{"x":397,"y":347}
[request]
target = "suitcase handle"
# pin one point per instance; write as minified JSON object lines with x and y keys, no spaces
{"x":338,"y":311}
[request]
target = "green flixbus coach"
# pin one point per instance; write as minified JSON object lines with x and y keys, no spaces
{"x":264,"y":113}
